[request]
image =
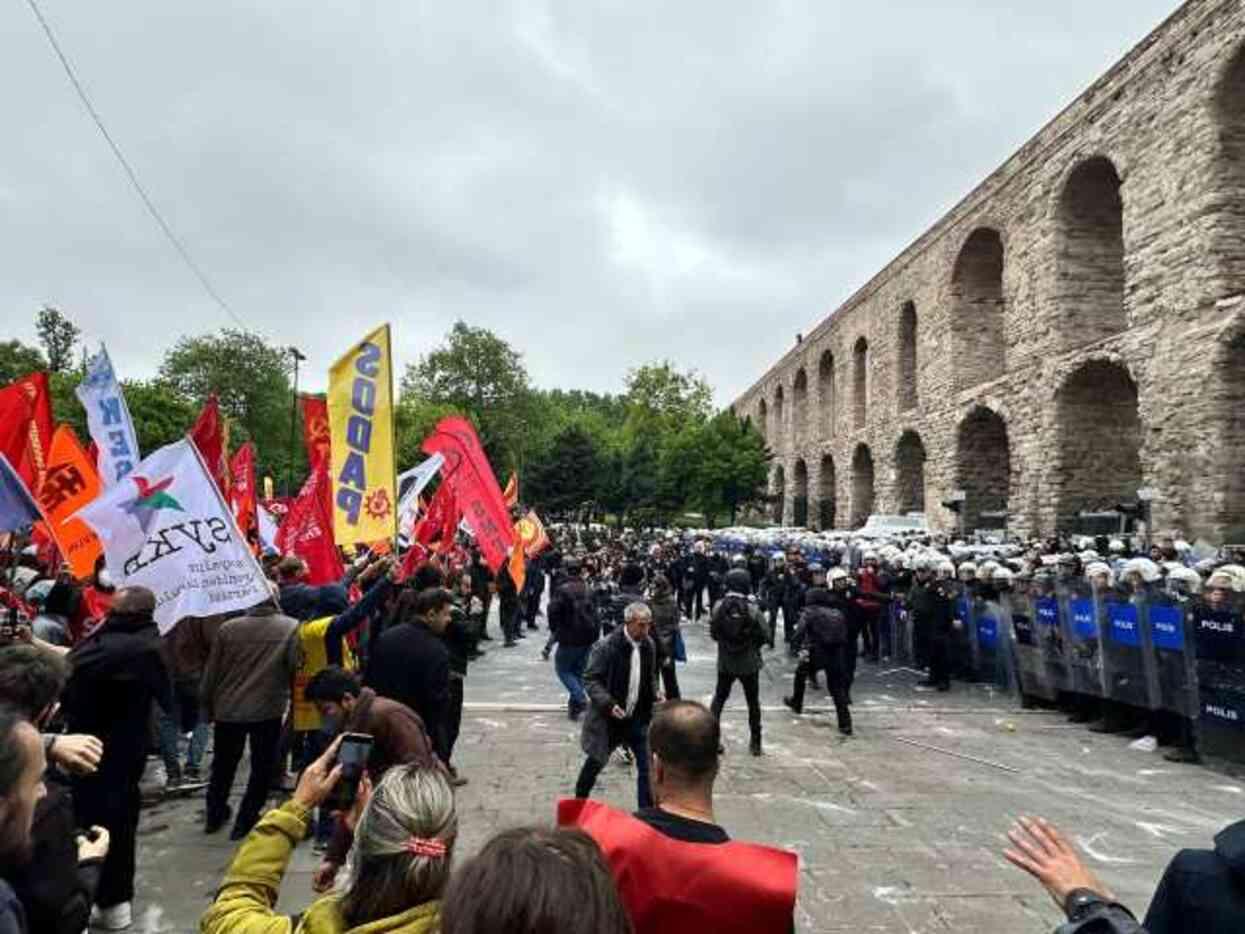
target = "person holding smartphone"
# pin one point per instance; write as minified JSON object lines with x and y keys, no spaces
{"x":404,"y":830}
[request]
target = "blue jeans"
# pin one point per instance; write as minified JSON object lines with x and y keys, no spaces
{"x":174,"y":722}
{"x":569,"y":662}
{"x":635,"y":738}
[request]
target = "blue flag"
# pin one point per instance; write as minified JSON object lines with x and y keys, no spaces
{"x":17,"y":507}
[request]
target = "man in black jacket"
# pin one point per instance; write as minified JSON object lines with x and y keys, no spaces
{"x":738,"y":628}
{"x":823,"y":629}
{"x":56,"y":883}
{"x":22,"y":765}
{"x":118,"y":672}
{"x":411,"y":663}
{"x":621,"y":684}
{"x":932,"y":614}
{"x":574,"y":626}
{"x":1203,"y":891}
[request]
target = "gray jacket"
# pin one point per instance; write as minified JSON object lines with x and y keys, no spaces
{"x":250,"y":668}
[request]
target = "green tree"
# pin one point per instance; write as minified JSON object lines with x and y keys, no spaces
{"x":251,"y":378}
{"x":17,"y":359}
{"x":663,"y":399}
{"x":477,"y":373}
{"x":569,"y":477}
{"x":160,"y":413}
{"x":59,"y":337}
{"x":731,"y":469}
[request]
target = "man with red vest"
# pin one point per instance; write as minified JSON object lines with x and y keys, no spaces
{"x":676,"y":868}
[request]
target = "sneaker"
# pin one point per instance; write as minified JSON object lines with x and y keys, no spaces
{"x":625,"y":754}
{"x":192,"y":774}
{"x":845,"y":730}
{"x":509,"y":644}
{"x":790,"y":702}
{"x":1182,"y":754}
{"x":755,"y":747}
{"x":116,"y":917}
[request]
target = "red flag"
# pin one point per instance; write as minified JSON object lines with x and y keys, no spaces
{"x":315,"y":428}
{"x":416,"y":555}
{"x":26,"y":427}
{"x":440,"y":523}
{"x":307,"y":530}
{"x":468,"y":474}
{"x":212,"y":440}
{"x":242,"y":495}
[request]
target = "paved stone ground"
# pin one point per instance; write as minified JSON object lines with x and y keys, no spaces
{"x":893,"y":835}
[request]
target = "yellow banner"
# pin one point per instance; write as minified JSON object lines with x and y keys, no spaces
{"x":360,"y":403}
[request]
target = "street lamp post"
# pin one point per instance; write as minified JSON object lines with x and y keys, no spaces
{"x":289,"y":470}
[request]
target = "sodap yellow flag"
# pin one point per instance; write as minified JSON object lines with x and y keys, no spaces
{"x":360,"y":403}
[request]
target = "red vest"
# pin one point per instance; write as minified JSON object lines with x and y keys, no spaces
{"x":671,"y":886}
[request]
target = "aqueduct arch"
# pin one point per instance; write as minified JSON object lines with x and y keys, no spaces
{"x":1099,"y":439}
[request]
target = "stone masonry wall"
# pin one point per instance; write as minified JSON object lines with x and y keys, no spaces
{"x":1073,"y":329}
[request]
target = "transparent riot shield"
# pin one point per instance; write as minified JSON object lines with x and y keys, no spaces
{"x":1166,"y":626}
{"x":1078,"y":617}
{"x":1124,"y":648}
{"x":1032,"y":677}
{"x":1048,"y":630}
{"x":991,"y":643}
{"x":963,"y":643}
{"x":1219,"y":640}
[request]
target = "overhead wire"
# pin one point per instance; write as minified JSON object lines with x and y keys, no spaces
{"x":154,"y":211}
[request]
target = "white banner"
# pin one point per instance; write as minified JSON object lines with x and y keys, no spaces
{"x":410,"y":484}
{"x":267,"y":528}
{"x":166,"y":527}
{"x":108,"y":419}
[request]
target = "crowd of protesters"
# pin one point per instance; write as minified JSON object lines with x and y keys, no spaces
{"x":90,"y":694}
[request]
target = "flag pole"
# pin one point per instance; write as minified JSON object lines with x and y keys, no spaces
{"x":393,"y":434}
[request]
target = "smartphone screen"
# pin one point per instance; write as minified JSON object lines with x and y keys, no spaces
{"x":352,"y":756}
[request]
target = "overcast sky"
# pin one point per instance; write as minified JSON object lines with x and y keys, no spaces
{"x":602,"y":184}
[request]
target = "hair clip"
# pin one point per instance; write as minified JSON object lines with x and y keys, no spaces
{"x":425,"y":846}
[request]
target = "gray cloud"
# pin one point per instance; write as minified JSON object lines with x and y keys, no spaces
{"x":600,"y":183}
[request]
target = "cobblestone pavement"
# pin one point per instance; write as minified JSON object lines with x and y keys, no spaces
{"x":899,"y":828}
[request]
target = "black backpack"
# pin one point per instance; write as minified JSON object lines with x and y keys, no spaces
{"x":584,"y":627}
{"x":735,"y":624}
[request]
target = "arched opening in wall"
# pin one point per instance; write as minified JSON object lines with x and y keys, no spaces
{"x":1229,"y":203}
{"x":910,"y":472}
{"x":983,"y":468}
{"x":1229,"y":481}
{"x":799,"y":405}
{"x":860,"y":383}
{"x":778,"y":490}
{"x":1090,"y":271}
{"x":907,"y":357}
{"x":1099,"y":440}
{"x":862,"y":485}
{"x":763,"y":419}
{"x":825,"y":386}
{"x":977,"y":310}
{"x":799,"y":502}
{"x":780,"y":427}
{"x":826,"y":493}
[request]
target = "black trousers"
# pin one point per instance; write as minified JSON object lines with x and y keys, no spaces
{"x":112,"y":800}
{"x":870,"y":631}
{"x":263,"y":737}
{"x":940,"y":660}
{"x":508,"y":613}
{"x":834,"y":663}
{"x":453,"y":716}
{"x":752,"y":694}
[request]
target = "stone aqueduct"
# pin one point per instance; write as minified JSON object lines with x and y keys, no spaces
{"x":1071,"y":331}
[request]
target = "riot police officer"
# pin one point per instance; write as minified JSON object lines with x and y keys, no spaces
{"x":824,"y":632}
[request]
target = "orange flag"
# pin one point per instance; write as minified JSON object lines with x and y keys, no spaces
{"x":518,"y":567}
{"x":71,"y":482}
{"x":511,"y":492}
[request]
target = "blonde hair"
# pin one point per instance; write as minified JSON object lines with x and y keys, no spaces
{"x":383,"y":877}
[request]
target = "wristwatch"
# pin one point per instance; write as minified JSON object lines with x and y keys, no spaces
{"x":1080,"y":902}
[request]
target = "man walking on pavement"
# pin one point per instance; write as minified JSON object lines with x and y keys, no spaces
{"x":739,"y":630}
{"x":573,"y":625}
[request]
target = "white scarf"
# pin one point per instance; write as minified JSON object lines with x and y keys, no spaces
{"x":633,"y":680}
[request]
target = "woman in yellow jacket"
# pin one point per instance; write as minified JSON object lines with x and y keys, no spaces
{"x":395,"y":874}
